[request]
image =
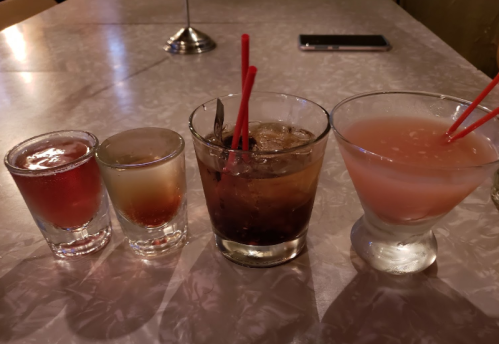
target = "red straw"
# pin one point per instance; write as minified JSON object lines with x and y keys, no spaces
{"x":244,"y":71}
{"x":470,"y":108}
{"x":475,"y":125}
{"x":244,"y":58}
{"x":248,"y":86}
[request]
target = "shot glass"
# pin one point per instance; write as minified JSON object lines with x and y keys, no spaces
{"x":144,"y":171}
{"x":260,"y":201}
{"x":67,"y":201}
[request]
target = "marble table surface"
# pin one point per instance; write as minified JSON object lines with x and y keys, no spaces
{"x":99,"y":66}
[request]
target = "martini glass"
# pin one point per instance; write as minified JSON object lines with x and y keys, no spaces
{"x":403,"y":201}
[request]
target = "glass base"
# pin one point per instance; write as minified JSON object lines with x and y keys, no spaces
{"x":261,"y":256}
{"x":392,"y":252}
{"x":152,"y":242}
{"x":90,"y":244}
{"x":78,"y":241}
{"x":157,"y":247}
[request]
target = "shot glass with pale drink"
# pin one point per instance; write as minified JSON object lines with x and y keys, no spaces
{"x":144,"y":171}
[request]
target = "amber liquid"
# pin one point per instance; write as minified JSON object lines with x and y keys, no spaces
{"x":66,"y":199}
{"x":260,"y":211}
{"x":152,"y":208}
{"x":149,"y":196}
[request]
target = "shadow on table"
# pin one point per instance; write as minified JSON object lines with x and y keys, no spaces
{"x":30,"y":296}
{"x":221,"y":302}
{"x":119,"y":296}
{"x":380,"y":308}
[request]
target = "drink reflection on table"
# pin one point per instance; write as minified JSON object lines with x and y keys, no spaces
{"x":116,"y":297}
{"x":221,"y":302}
{"x":103,"y":297}
{"x":30,"y":296}
{"x":377,"y":307}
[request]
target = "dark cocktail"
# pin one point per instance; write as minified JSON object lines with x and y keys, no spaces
{"x":260,"y":201}
{"x":279,"y":201}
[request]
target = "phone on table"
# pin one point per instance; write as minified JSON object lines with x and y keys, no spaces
{"x":344,"y":43}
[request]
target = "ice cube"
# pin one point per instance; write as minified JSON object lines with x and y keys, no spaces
{"x":277,"y":136}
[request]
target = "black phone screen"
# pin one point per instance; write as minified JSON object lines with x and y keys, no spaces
{"x":344,"y":40}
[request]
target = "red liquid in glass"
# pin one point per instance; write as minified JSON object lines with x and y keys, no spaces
{"x":66,"y":199}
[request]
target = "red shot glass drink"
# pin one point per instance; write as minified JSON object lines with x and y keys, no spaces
{"x":59,"y":180}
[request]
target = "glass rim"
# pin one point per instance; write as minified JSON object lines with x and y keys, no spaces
{"x":319,"y":138}
{"x":165,"y":158}
{"x":67,"y":166}
{"x":408,"y":92}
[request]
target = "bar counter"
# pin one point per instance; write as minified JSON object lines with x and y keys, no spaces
{"x":99,"y":66}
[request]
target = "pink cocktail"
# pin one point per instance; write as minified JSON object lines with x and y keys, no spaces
{"x":405,"y":175}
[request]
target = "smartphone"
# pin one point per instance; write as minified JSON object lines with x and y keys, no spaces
{"x":344,"y":42}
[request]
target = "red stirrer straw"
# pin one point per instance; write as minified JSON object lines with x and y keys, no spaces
{"x":244,"y":71}
{"x":472,"y":107}
{"x":248,"y":86}
{"x":475,"y":125}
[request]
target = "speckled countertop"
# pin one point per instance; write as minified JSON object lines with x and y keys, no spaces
{"x":98,"y":66}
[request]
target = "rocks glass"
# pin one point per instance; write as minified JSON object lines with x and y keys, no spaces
{"x":260,"y":201}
